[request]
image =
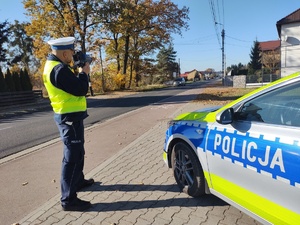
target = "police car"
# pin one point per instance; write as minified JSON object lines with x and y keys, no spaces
{"x":246,"y":153}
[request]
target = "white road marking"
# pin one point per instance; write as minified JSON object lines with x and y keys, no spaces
{"x":4,"y":128}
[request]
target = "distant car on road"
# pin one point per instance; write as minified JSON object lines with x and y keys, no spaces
{"x":246,"y":152}
{"x":180,"y":81}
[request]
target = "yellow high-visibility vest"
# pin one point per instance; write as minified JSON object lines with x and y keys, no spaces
{"x":61,"y":101}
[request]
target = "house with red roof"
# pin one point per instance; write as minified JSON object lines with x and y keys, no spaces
{"x":270,"y":55}
{"x":269,"y":45}
{"x":191,"y":75}
{"x":289,"y":33}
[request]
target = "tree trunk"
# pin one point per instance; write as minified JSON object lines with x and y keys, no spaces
{"x":126,"y":54}
{"x":117,"y":52}
{"x":137,"y":72}
{"x":130,"y":76}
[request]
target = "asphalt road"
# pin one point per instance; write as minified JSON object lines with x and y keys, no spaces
{"x":24,"y":131}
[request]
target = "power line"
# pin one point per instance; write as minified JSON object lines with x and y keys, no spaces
{"x":218,"y":11}
{"x":202,"y":40}
{"x":223,"y":12}
{"x":244,"y":46}
{"x":213,"y":13}
{"x":238,"y":39}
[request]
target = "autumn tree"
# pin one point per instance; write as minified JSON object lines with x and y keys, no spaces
{"x":149,"y":71}
{"x":132,"y":29}
{"x":271,"y":60}
{"x":54,"y":19}
{"x":4,"y":31}
{"x":21,"y":47}
{"x":111,"y":11}
{"x":153,"y":30}
{"x":140,"y":27}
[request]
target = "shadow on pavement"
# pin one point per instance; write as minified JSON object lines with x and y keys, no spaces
{"x":205,"y":200}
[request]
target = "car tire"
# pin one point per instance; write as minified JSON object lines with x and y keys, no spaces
{"x":187,"y":170}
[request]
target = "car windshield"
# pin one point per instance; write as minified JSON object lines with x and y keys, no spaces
{"x":178,"y":79}
{"x":281,"y":107}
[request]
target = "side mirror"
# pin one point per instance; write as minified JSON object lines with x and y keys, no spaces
{"x":225,"y":117}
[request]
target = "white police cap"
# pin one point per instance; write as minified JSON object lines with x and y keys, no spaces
{"x":62,"y":43}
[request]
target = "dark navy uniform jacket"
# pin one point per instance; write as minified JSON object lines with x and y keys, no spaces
{"x":63,"y":78}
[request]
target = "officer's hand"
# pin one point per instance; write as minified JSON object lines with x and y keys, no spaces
{"x":85,"y":68}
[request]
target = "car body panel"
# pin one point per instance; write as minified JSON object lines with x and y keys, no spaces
{"x":252,"y":165}
{"x":256,"y":162}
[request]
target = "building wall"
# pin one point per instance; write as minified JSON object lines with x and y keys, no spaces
{"x":290,"y":48}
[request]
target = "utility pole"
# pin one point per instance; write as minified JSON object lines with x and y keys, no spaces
{"x":178,"y":66}
{"x":223,"y":53}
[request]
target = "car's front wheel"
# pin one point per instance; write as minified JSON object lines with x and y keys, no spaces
{"x":187,"y":170}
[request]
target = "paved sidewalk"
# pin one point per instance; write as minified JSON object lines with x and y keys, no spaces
{"x":135,"y":187}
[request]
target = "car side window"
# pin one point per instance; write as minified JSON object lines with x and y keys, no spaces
{"x":280,"y":106}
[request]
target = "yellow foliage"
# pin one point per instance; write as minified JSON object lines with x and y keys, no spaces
{"x":15,"y":68}
{"x":119,"y":80}
{"x":96,"y":82}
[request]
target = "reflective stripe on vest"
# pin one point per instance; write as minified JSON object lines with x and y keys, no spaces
{"x":61,"y":101}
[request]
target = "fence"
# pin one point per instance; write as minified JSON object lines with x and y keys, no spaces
{"x":241,"y":81}
{"x":266,"y":78}
{"x":19,"y":98}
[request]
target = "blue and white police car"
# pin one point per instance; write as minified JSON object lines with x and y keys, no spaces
{"x":246,"y":153}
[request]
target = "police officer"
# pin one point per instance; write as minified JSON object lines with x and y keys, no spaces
{"x":67,"y":96}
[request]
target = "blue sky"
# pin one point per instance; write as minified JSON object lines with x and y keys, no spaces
{"x":244,"y":21}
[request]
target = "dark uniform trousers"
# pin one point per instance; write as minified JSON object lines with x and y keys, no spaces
{"x":72,"y":135}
